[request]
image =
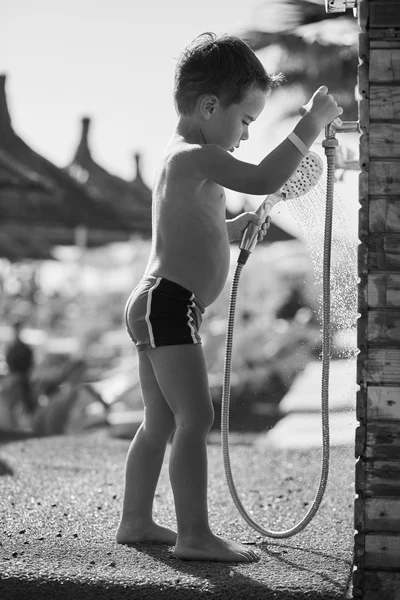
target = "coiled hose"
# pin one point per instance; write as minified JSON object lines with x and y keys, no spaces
{"x":329,"y":144}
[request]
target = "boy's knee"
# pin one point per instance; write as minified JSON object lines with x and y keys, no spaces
{"x":159,"y":427}
{"x":197,"y":421}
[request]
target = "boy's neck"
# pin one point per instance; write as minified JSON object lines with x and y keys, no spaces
{"x":189,"y":129}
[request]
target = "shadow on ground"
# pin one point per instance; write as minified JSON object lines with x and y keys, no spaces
{"x":244,"y":588}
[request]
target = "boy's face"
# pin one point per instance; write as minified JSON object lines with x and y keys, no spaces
{"x":229,"y":126}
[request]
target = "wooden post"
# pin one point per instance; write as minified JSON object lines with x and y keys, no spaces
{"x":377,"y":505}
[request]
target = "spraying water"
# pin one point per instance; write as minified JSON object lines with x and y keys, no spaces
{"x":309,"y":212}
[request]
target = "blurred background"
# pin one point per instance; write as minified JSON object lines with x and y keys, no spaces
{"x":86,"y":110}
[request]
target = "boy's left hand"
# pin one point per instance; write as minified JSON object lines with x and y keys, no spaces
{"x":237,"y":226}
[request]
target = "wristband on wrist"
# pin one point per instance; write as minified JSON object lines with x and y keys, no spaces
{"x":300,"y":145}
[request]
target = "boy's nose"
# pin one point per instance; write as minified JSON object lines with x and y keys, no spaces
{"x":245,"y":136}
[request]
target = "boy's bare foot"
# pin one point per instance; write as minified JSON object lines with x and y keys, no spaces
{"x":152,"y":533}
{"x":215,"y":548}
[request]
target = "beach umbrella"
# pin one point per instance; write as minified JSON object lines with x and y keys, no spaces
{"x":138,"y":186}
{"x":16,"y":181}
{"x":131,"y":199}
{"x":48,"y":201}
{"x":16,"y":247}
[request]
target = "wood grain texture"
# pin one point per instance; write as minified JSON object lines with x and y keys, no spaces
{"x":383,"y":403}
{"x":384,"y":65}
{"x":377,"y":515}
{"x":361,"y":404}
{"x":360,"y":441}
{"x":384,"y":14}
{"x":382,"y":366}
{"x":362,"y":288}
{"x":378,"y":478}
{"x":384,"y":328}
{"x":364,"y":90}
{"x":384,"y":214}
{"x":384,"y":102}
{"x":383,"y":290}
{"x":384,"y":177}
{"x":382,"y":440}
{"x":376,"y":585}
{"x":377,"y":481}
{"x":362,"y":329}
{"x":384,"y":140}
{"x":384,"y":252}
{"x":382,"y":551}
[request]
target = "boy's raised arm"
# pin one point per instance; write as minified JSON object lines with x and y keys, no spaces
{"x":276,"y":168}
{"x":269,"y":176}
{"x":216,"y":164}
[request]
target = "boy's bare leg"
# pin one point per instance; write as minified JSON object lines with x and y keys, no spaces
{"x":143,"y":465}
{"x":182,"y":376}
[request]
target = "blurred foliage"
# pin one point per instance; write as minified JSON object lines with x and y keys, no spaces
{"x":311,"y":48}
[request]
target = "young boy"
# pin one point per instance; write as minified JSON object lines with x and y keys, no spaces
{"x":220,"y":89}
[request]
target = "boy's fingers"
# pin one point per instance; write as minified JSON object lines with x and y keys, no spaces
{"x":303,"y":110}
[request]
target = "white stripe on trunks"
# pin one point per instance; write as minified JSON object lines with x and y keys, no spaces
{"x":190,"y":319}
{"x":148,"y":310}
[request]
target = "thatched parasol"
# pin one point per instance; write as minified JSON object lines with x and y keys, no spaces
{"x":17,"y":180}
{"x":138,"y":185}
{"x":132,"y":200}
{"x":46,"y":199}
{"x":314,"y":48}
{"x":16,"y":247}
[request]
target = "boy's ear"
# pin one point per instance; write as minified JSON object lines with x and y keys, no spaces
{"x":208,"y":106}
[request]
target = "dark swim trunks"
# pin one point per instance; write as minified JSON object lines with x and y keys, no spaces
{"x":160,"y":312}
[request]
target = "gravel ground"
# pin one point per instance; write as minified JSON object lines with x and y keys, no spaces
{"x":60,"y":499}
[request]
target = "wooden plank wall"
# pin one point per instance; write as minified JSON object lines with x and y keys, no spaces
{"x":377,"y":504}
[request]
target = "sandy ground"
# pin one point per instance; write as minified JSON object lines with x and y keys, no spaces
{"x":60,"y":502}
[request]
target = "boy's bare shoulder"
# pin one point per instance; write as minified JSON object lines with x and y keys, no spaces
{"x":183,"y":155}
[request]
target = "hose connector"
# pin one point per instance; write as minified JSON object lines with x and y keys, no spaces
{"x":329,"y":142}
{"x":339,"y":126}
{"x":335,"y":6}
{"x":243,"y":256}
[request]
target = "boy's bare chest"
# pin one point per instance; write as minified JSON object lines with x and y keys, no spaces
{"x":213,"y":195}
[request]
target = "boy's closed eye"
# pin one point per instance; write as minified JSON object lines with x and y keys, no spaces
{"x":249,"y":119}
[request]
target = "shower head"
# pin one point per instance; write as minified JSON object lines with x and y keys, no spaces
{"x":305,"y":177}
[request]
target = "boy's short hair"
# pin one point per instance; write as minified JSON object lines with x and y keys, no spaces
{"x":222,"y":65}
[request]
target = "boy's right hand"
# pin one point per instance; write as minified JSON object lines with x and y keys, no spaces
{"x":322,"y":107}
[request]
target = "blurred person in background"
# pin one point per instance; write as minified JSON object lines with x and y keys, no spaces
{"x":17,"y":399}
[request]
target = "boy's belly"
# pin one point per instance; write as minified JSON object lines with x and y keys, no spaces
{"x":209,"y":279}
{"x":201,"y":268}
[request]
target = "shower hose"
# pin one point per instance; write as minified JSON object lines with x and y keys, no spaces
{"x":329,"y":145}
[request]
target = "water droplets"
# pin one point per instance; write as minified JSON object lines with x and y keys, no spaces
{"x":309,"y":212}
